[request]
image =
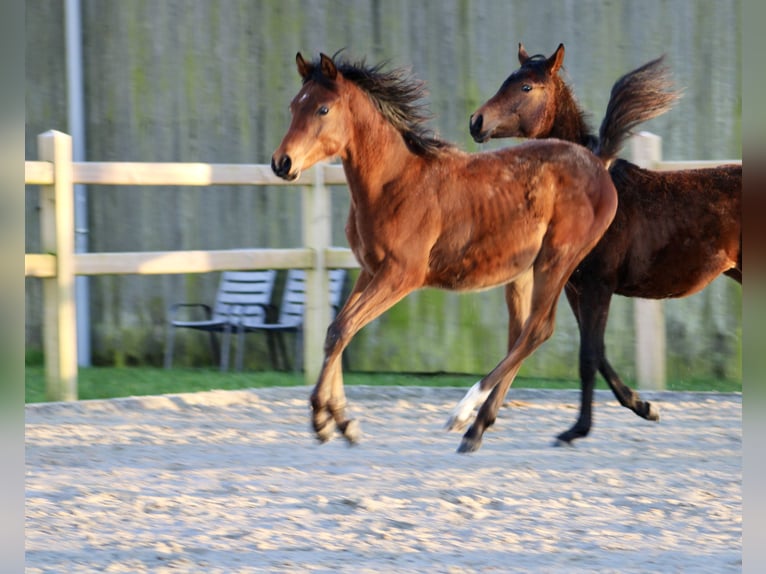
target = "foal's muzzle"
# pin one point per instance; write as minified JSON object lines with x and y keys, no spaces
{"x":475,"y":123}
{"x":281,"y":167}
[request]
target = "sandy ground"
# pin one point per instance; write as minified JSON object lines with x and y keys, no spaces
{"x":234,"y":482}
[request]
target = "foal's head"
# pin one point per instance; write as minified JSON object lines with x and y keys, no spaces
{"x":320,"y":114}
{"x":326,"y":110}
{"x":525,"y":104}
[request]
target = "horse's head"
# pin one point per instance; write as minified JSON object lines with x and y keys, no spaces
{"x":524,"y":105}
{"x":318,"y":127}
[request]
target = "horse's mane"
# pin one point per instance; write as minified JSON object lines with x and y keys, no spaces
{"x":399,"y":97}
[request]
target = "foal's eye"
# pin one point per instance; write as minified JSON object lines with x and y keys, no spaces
{"x":526,"y":88}
{"x":323,"y":110}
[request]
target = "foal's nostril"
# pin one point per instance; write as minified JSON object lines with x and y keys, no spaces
{"x":475,"y":123}
{"x":287,"y":163}
{"x":282,"y":166}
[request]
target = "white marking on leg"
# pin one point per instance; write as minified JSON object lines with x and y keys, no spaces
{"x":463,"y":412}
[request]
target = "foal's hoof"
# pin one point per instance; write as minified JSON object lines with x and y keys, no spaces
{"x":559,"y":442}
{"x":351,"y":431}
{"x":653,"y":412}
{"x":468,"y":445}
{"x":567,"y":438}
{"x":325,"y":430}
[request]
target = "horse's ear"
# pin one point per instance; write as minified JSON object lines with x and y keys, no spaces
{"x":523,"y":56}
{"x":328,"y":67}
{"x":303,"y":67}
{"x":556,"y":60}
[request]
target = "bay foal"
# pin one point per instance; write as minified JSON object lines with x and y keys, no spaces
{"x":424,"y":213}
{"x":673,"y":233}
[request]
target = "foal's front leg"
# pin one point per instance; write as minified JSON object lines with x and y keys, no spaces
{"x":327,"y":405}
{"x":328,"y":400}
{"x":372,"y":296}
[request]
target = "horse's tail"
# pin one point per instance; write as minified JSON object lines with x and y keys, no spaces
{"x":636,"y":97}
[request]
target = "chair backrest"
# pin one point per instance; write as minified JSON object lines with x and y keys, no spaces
{"x":337,"y":282}
{"x":294,"y":297}
{"x":245,"y":295}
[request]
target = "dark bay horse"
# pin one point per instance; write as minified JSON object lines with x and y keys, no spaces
{"x":424,"y":213}
{"x":674,"y":231}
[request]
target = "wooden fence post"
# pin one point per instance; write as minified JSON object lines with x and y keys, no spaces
{"x":57,"y":238}
{"x":649,"y":314}
{"x":316,"y":236}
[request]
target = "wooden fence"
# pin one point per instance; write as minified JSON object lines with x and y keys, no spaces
{"x":56,"y":174}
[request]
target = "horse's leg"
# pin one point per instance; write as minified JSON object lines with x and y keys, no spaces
{"x":517,"y":299}
{"x":575,"y":293}
{"x":328,"y":397}
{"x":592,"y":299}
{"x":590,"y":304}
{"x":373,"y":295}
{"x":598,"y":311}
{"x":539,"y":327}
{"x":547,"y":283}
{"x":626,"y":396}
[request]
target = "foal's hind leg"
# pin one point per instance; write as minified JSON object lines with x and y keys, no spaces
{"x":538,"y":329}
{"x":518,"y":295}
{"x":547,"y":285}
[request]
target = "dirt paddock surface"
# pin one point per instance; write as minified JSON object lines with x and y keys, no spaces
{"x":233,"y":481}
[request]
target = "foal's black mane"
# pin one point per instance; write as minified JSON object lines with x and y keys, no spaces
{"x":397,"y":94}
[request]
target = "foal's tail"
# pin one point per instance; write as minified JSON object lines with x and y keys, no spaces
{"x":636,"y":97}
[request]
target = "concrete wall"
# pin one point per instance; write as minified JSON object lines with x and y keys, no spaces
{"x":207,"y":80}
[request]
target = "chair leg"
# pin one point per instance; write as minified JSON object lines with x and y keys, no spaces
{"x":273,"y":354}
{"x":298,"y":358}
{"x":214,"y":348}
{"x":169,"y":342}
{"x":283,"y":350}
{"x":240,"y":348}
{"x":225,"y":348}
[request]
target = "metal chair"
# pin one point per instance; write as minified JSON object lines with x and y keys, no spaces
{"x":242,"y":296}
{"x":290,"y":319}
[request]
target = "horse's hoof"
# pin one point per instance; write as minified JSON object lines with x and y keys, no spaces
{"x":560,"y":442}
{"x":567,"y":438}
{"x":325,"y":431}
{"x":455,"y":424}
{"x":351,"y":431}
{"x":653,"y":414}
{"x":469,"y":445}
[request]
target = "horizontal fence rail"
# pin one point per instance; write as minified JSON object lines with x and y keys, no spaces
{"x":57,"y":174}
{"x":200,"y":174}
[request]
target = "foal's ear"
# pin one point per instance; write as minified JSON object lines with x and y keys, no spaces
{"x":303,"y":67}
{"x":327,"y":66}
{"x":555,"y":61}
{"x":523,"y":56}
